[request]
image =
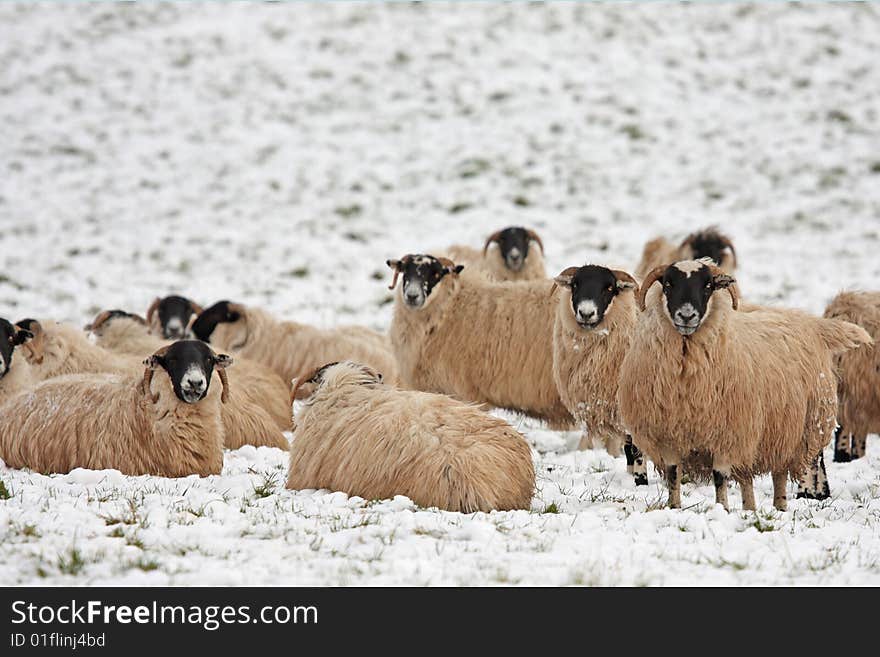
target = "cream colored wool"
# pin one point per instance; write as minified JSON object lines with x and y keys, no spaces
{"x":492,"y":265}
{"x":859,"y":371}
{"x":18,"y":378}
{"x":293,"y":349}
{"x":755,"y":390}
{"x":67,"y":350}
{"x":586,"y":366}
{"x":100,"y":421}
{"x":483,"y":342}
{"x":660,"y":251}
{"x":363,"y":437}
{"x":257,"y":383}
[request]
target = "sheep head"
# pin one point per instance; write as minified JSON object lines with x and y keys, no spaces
{"x":221,"y":314}
{"x":513,"y":245}
{"x":593,"y":290}
{"x":421,"y":273}
{"x":189,"y":365}
{"x":103,"y":318}
{"x":363,"y":375}
{"x":710,"y":243}
{"x":687,"y":287}
{"x":171,"y":317}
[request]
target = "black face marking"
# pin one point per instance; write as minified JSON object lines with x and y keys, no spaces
{"x":593,"y":288}
{"x":687,"y":296}
{"x":205,"y":323}
{"x":174,"y":316}
{"x":10,"y":338}
{"x":514,"y":245}
{"x":189,"y":364}
{"x":26,"y":323}
{"x":421,"y":274}
{"x":709,"y":244}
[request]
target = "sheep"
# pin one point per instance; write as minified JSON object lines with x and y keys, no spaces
{"x":595,"y":320}
{"x":358,"y":435}
{"x":859,"y":376}
{"x":749,"y":392}
{"x":126,"y":333}
{"x":172,"y":316}
{"x":513,"y":260}
{"x":58,"y":349}
{"x":139,"y":424}
{"x":289,"y":348}
{"x":709,"y":242}
{"x":15,"y":373}
{"x":476,"y":340}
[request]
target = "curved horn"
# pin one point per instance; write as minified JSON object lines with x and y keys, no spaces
{"x":625,"y":281}
{"x":152,"y":310}
{"x":395,"y":265}
{"x":446,"y":262}
{"x":569,"y":271}
{"x":33,"y":348}
{"x":151,"y":362}
{"x":494,"y":238}
{"x":725,"y":240}
{"x":98,"y":322}
{"x":299,"y":381}
{"x":650,"y":279}
{"x":730,"y":284}
{"x":221,"y":362}
{"x":196,"y":308}
{"x":534,"y":236}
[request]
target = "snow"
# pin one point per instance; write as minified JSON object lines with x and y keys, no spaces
{"x":278,"y":154}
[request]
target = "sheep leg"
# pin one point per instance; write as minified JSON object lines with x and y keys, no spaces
{"x":748,"y":492}
{"x":859,"y":444}
{"x":639,"y":469}
{"x":585,"y":442}
{"x":628,"y":453}
{"x":612,"y":445}
{"x":780,"y":498}
{"x":842,"y":446}
{"x":720,"y":475}
{"x":673,"y":483}
{"x":813,"y":484}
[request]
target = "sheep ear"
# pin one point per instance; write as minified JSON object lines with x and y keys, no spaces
{"x":455,"y":270}
{"x":563,"y":280}
{"x":21,"y":336}
{"x":393,"y":264}
{"x":222,"y":361}
{"x":722,"y":281}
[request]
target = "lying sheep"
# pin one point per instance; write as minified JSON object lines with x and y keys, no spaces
{"x":595,"y":320}
{"x":125,"y":333}
{"x":139,"y":424}
{"x":476,"y":340}
{"x":15,"y":373}
{"x":706,"y":243}
{"x":751,"y":392}
{"x":513,"y":260}
{"x":289,"y":348}
{"x":171,"y":317}
{"x":58,"y":349}
{"x":358,"y":435}
{"x":859,"y":376}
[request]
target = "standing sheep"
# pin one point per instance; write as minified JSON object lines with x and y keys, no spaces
{"x":58,"y":349}
{"x":289,"y":348}
{"x":125,"y":333}
{"x":143,"y":424}
{"x":750,"y":392}
{"x":15,"y":374}
{"x":478,"y":341}
{"x":859,"y":376}
{"x":512,"y":260}
{"x":358,"y":435}
{"x":595,"y":321}
{"x":706,"y":243}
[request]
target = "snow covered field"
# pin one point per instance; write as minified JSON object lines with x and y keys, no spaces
{"x":278,"y":154}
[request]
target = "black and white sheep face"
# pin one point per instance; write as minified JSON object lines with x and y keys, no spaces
{"x":711,"y":244}
{"x":222,"y":312}
{"x":174,"y":316}
{"x":513,"y":244}
{"x":421,"y":274}
{"x":190,"y":364}
{"x":593,"y":290}
{"x":10,"y":338}
{"x":688,"y":287}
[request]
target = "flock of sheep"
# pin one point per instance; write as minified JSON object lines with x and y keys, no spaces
{"x":684,"y":373}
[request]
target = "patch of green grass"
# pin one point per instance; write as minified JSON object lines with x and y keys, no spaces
{"x":267,"y":485}
{"x":30,"y":531}
{"x":71,"y":562}
{"x":4,"y":492}
{"x":551,"y":508}
{"x":297,"y":272}
{"x":147,"y":565}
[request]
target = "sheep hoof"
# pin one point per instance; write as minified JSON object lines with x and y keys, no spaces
{"x":641,"y":479}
